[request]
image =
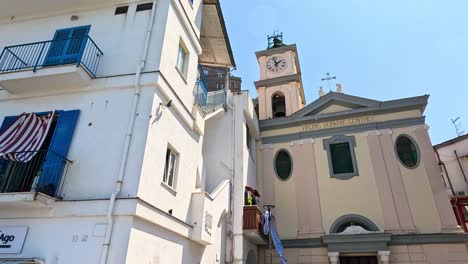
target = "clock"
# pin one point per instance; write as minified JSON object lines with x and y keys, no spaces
{"x":276,"y":64}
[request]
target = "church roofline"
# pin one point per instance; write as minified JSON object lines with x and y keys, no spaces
{"x":369,"y":107}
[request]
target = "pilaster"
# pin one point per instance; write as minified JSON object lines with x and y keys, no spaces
{"x":307,"y":190}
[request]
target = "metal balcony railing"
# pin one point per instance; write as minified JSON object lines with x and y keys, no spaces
{"x":43,"y":173}
{"x":252,"y":218}
{"x":81,"y":51}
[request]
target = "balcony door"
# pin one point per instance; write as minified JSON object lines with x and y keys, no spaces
{"x":67,"y":46}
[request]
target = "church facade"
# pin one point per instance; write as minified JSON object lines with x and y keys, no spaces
{"x":354,"y":180}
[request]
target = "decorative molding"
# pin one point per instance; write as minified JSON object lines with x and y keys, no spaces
{"x":333,"y":256}
{"x":369,"y":107}
{"x":352,"y":144}
{"x":303,"y":243}
{"x":418,"y":239}
{"x":274,"y":51}
{"x":302,"y":141}
{"x":353,"y":218}
{"x":266,"y":146}
{"x":384,"y":256}
{"x":386,"y":132}
{"x":395,"y":240}
{"x":376,"y":241}
{"x":372,"y":133}
{"x":278,"y":80}
{"x":344,"y":130}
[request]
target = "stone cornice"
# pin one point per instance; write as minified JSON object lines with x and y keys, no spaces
{"x":344,"y":130}
{"x":274,"y":51}
{"x":278,"y":80}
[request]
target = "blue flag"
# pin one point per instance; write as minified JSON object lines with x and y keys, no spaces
{"x":274,"y":236}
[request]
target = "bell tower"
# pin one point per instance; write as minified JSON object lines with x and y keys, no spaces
{"x":280,"y":91}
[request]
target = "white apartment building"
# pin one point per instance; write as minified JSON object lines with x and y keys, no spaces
{"x":231,"y":148}
{"x":120,"y":177}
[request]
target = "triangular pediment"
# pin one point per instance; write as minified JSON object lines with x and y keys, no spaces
{"x":334,"y":103}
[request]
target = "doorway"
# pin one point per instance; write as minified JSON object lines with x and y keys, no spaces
{"x":359,"y":260}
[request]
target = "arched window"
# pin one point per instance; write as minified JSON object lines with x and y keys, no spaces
{"x":283,"y":164}
{"x":278,"y":105}
{"x":407,"y":151}
{"x":345,"y":221}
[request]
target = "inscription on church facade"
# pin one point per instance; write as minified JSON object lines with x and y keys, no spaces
{"x":339,"y":123}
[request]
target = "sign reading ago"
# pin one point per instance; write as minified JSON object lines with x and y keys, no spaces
{"x":339,"y":123}
{"x":12,"y":239}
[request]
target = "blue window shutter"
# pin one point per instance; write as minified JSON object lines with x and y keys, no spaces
{"x":53,"y":166}
{"x":67,"y":46}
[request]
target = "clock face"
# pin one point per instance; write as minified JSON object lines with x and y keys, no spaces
{"x":276,"y":64}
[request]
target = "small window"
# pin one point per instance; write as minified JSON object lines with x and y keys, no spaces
{"x":247,"y":137}
{"x":121,"y":10}
{"x":143,"y":7}
{"x":283,"y":164}
{"x":341,"y":158}
{"x":182,"y":59}
{"x":170,"y":167}
{"x":407,"y":151}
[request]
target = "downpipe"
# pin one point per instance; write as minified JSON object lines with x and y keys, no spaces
{"x":128,"y":136}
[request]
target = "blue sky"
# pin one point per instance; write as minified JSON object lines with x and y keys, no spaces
{"x":381,"y":50}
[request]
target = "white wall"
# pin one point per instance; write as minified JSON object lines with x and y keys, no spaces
{"x":70,"y":240}
{"x":447,"y":156}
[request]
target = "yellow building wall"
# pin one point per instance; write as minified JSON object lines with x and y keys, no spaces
{"x":357,"y":195}
{"x":419,"y":192}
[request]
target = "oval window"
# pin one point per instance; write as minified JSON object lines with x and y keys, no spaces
{"x":283,"y":164}
{"x":407,"y":151}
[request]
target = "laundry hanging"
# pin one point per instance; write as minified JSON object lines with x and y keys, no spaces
{"x":269,"y":227}
{"x":23,"y":139}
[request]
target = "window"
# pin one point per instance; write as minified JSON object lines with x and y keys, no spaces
{"x":247,"y":137}
{"x":407,"y":151}
{"x":45,"y":170}
{"x":341,"y":158}
{"x":182,"y":59}
{"x":283,"y":164}
{"x":121,"y":10}
{"x":143,"y":7}
{"x":170,"y":167}
{"x":278,"y":105}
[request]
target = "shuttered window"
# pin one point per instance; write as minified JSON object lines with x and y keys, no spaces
{"x":341,"y":157}
{"x":67,"y":46}
{"x":57,"y":146}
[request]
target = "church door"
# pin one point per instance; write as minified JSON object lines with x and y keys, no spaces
{"x":358,"y":260}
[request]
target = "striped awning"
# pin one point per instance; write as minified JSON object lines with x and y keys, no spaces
{"x":19,"y":261}
{"x":22,"y":139}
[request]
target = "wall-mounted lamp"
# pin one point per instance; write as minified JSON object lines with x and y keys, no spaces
{"x":74,"y":18}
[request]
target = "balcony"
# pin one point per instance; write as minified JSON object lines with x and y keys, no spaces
{"x":252,"y":225}
{"x":37,"y":181}
{"x":54,"y":64}
{"x":208,"y":102}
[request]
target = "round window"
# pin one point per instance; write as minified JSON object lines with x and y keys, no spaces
{"x":283,"y":164}
{"x":407,"y":151}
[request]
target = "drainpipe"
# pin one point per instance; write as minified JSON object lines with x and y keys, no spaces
{"x":230,"y":259}
{"x":461,"y":167}
{"x":128,"y":136}
{"x":446,"y":172}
